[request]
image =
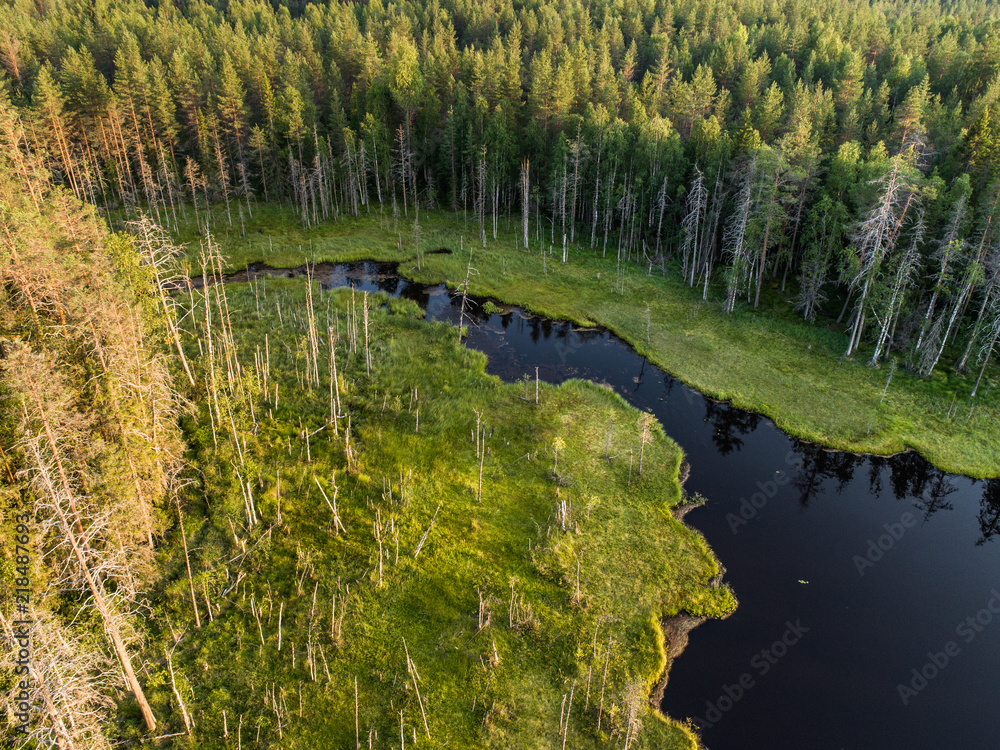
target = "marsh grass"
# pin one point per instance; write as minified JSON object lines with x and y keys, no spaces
{"x":766,"y":361}
{"x":502,"y":608}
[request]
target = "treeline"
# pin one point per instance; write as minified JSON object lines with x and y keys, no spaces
{"x":844,"y":152}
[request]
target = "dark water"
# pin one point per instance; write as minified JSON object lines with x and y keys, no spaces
{"x":851,"y":571}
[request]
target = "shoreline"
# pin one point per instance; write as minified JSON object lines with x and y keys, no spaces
{"x":768,"y":363}
{"x":676,"y":629}
{"x":261,"y":268}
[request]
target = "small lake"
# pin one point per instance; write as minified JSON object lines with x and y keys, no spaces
{"x":869,"y":587}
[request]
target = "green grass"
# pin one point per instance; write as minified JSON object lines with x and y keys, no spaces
{"x":500,"y":685}
{"x":768,"y":362}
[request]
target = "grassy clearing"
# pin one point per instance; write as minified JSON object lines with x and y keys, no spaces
{"x":567,"y":564}
{"x":768,"y":362}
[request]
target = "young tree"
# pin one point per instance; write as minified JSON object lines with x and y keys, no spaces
{"x":769,"y":216}
{"x":824,"y":237}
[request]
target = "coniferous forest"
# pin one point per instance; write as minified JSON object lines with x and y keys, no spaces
{"x":847,"y":151}
{"x":218,"y":493}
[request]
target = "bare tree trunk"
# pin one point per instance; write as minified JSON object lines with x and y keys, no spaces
{"x":525,"y":202}
{"x":989,"y":347}
{"x":187,"y":563}
{"x":577,"y":156}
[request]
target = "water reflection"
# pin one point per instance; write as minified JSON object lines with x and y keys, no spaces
{"x":989,"y":512}
{"x":817,"y":465}
{"x":388,"y":284}
{"x":729,"y":425}
{"x":911,"y":475}
{"x":416,"y":293}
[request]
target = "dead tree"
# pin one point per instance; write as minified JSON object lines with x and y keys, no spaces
{"x":525,"y":198}
{"x":735,"y":239}
{"x":465,"y":296}
{"x":67,"y":517}
{"x":69,"y":679}
{"x":874,"y":238}
{"x":905,"y":271}
{"x":158,"y":254}
{"x":697,"y":200}
{"x":992,"y":336}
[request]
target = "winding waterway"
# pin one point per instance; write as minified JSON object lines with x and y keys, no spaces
{"x":869,"y":587}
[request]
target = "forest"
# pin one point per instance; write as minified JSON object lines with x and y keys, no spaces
{"x":218,"y":492}
{"x":844,"y":151}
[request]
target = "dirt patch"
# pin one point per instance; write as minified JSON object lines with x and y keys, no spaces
{"x":675,"y":634}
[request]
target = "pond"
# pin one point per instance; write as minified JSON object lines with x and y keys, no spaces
{"x":869,"y":587}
